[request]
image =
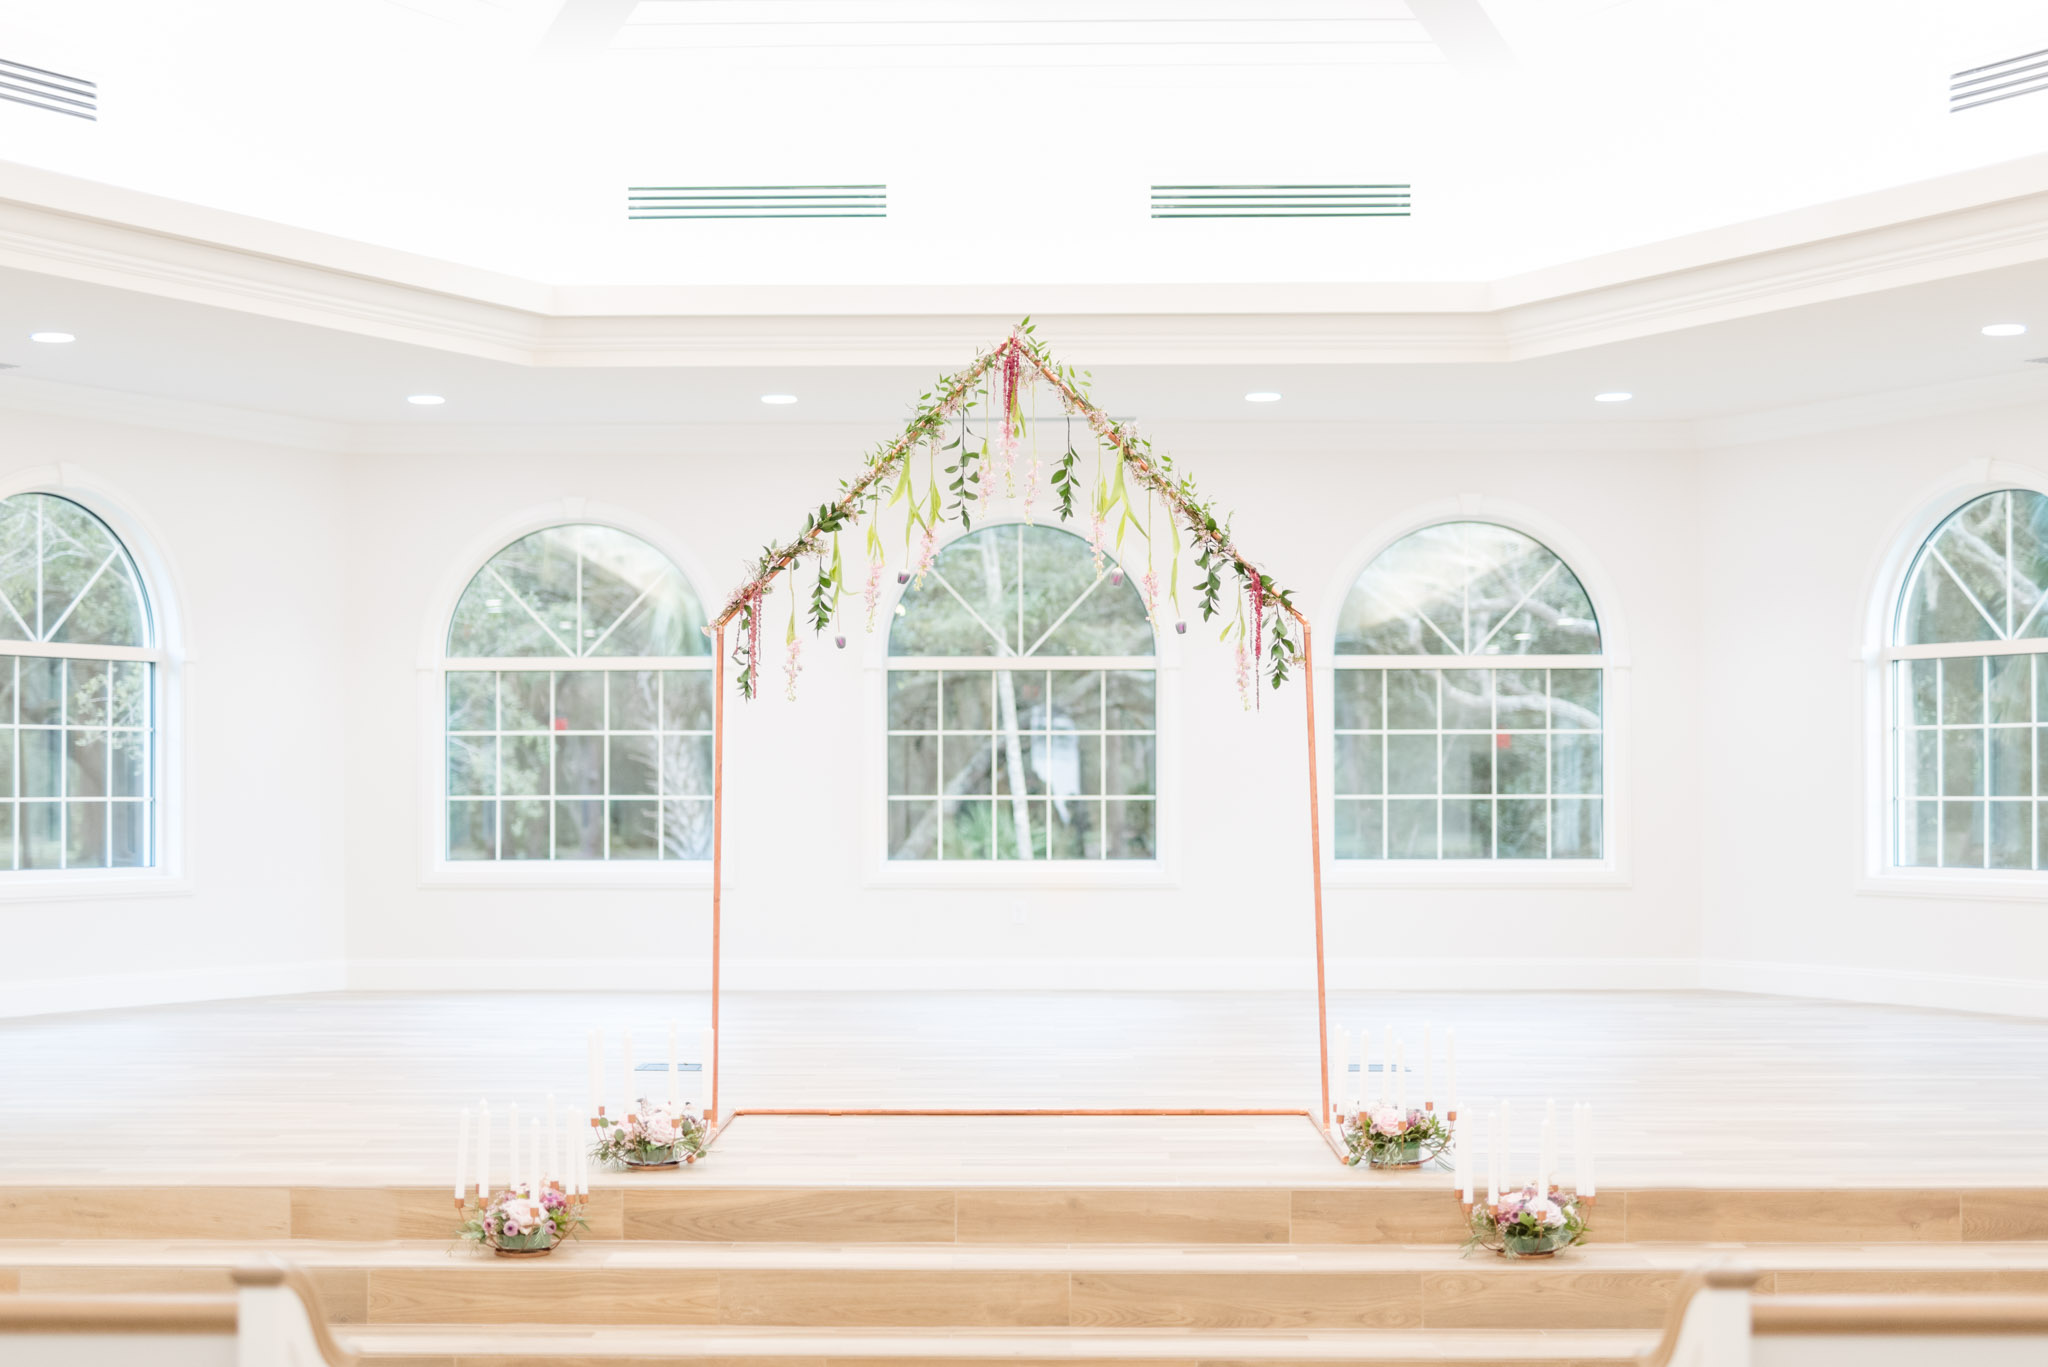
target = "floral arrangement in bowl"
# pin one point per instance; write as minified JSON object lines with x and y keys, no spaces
{"x":515,"y":1224}
{"x":1393,"y":1138}
{"x":652,"y":1136}
{"x":1528,"y":1223}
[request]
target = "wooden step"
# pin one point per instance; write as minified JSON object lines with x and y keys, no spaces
{"x":526,"y":1347}
{"x":1362,"y":1208}
{"x":1132,"y":1287}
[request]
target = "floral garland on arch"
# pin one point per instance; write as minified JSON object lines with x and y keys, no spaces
{"x":979,"y":419}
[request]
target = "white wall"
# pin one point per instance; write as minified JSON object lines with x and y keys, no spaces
{"x":1798,"y":536}
{"x":803,"y":905}
{"x":247,"y":551}
{"x":310,"y":592}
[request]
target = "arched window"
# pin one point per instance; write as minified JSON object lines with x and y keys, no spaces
{"x":1469,"y":690}
{"x":1022,"y":706}
{"x":578,"y":704}
{"x":1970,"y":690}
{"x":78,"y":690}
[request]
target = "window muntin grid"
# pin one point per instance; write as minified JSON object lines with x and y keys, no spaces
{"x":1467,"y":588}
{"x":607,"y":759}
{"x":579,"y":764}
{"x":1443,"y":760}
{"x":78,"y":693}
{"x":1023,"y":763}
{"x":1966,"y":722}
{"x":77,"y":747}
{"x":1469,"y":763}
{"x":579,"y":591}
{"x":1022,"y":707}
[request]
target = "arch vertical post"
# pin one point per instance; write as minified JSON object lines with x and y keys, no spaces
{"x":1315,"y":855}
{"x":717,"y":860}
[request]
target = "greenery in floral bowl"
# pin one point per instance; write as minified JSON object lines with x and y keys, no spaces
{"x":513,"y":1223}
{"x":1527,"y":1224}
{"x":1393,"y":1138}
{"x":652,"y":1136}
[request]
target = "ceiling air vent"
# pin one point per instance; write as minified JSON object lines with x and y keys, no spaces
{"x":1280,"y":201}
{"x":2024,"y":75}
{"x":757,"y":201}
{"x":31,"y":85}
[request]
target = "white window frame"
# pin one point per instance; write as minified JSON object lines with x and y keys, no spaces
{"x":1877,"y":697}
{"x":1612,"y":868}
{"x":436,"y":870}
{"x":880,"y":871}
{"x":168,"y":875}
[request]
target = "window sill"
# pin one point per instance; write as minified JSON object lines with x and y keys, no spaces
{"x":1983,"y":885}
{"x":86,"y":884}
{"x":984,"y":875}
{"x":1464,"y":873}
{"x":577,"y":876}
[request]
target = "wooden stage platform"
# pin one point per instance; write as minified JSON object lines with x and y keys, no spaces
{"x":1691,"y":1089}
{"x":320,"y":1129}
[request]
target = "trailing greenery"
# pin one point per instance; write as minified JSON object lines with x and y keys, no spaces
{"x":1021,"y":358}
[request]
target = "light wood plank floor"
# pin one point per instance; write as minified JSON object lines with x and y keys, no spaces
{"x":1693,"y":1088}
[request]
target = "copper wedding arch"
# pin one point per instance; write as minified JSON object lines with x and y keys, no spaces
{"x":1028,"y":355}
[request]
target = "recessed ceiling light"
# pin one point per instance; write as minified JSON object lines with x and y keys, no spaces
{"x":1613,"y":396}
{"x":425,"y":400}
{"x":1262,"y":396}
{"x":51,"y":337}
{"x":2006,"y":330}
{"x":778,"y":398}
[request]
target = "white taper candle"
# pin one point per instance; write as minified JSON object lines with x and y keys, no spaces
{"x":1428,"y":1072}
{"x":1387,"y":1065}
{"x":1451,"y":1067}
{"x":1508,"y":1181}
{"x":515,"y":1174}
{"x":536,"y":1180}
{"x":673,"y":1081}
{"x":1493,"y":1157}
{"x":1367,"y":1096}
{"x":1586,"y":1154}
{"x":1462,"y":1165}
{"x":596,"y":1050}
{"x":706,"y":1078}
{"x":462,"y":1157}
{"x":483,"y":1151}
{"x":1546,"y":1152}
{"x":554,"y":1165}
{"x":632,"y":1082}
{"x":1401,"y":1078}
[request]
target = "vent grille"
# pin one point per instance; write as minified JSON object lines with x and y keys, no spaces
{"x":757,"y":201}
{"x":2015,"y":76}
{"x":1280,"y":201}
{"x":40,"y":89}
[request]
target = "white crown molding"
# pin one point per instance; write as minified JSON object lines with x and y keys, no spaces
{"x":1980,"y":220}
{"x":1191,"y":438}
{"x":2027,"y":385}
{"x":54,"y":398}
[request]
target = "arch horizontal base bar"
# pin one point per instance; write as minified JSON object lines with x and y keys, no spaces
{"x":1025,"y":1111}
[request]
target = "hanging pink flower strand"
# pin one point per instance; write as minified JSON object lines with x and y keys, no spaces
{"x":925,"y":552}
{"x":1150,"y":585}
{"x":1095,"y":546}
{"x":873,"y":592}
{"x":792,"y":666}
{"x":1244,"y":675}
{"x":1030,"y":488}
